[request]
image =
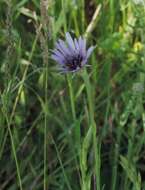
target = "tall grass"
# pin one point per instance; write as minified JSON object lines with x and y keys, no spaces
{"x":80,"y":131}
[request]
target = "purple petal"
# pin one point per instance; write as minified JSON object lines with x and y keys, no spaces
{"x":62,"y":46}
{"x":76,"y":44}
{"x":80,"y":42}
{"x":84,"y":47}
{"x":57,"y":59}
{"x":70,"y":41}
{"x":58,"y":53}
{"x":58,"y":47}
{"x":90,"y":50}
{"x":58,"y":56}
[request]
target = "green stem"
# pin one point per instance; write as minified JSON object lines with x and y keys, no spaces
{"x":45,"y":129}
{"x":72,"y":101}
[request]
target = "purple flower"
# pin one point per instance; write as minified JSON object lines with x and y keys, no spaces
{"x":72,"y":55}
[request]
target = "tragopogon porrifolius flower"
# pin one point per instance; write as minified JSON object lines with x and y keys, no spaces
{"x":71,"y":55}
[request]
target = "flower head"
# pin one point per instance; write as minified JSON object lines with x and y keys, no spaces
{"x":72,"y":55}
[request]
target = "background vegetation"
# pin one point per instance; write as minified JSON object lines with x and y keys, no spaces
{"x":83,"y":131}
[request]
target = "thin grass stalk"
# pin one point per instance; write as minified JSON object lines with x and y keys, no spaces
{"x":63,"y":4}
{"x":9,"y":38}
{"x":115,"y":160}
{"x":90,"y":97}
{"x":124,"y":14}
{"x":112,"y":14}
{"x":93,"y":22}
{"x":13,"y":149}
{"x":83,"y":14}
{"x":129,"y":153}
{"x":9,"y":51}
{"x":44,"y":46}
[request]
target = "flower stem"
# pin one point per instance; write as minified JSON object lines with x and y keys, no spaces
{"x":72,"y":101}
